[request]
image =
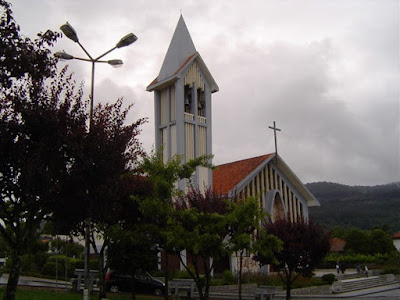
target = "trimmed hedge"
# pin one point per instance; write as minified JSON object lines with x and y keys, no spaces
{"x":354,"y":259}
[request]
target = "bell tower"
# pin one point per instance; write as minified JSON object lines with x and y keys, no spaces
{"x":182,"y":105}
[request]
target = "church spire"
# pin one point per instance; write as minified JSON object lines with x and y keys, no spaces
{"x":181,"y":54}
{"x":182,"y":105}
{"x":180,"y":49}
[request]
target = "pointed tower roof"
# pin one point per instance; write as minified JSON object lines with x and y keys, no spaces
{"x":180,"y":48}
{"x":181,"y":52}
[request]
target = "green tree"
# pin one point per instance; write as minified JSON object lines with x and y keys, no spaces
{"x":380,"y":242}
{"x":132,"y":251}
{"x":157,"y":208}
{"x":305,"y":244}
{"x":66,"y":247}
{"x":357,"y":241}
{"x":368,"y":242}
{"x":244,"y":220}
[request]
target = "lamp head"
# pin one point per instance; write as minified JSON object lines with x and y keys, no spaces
{"x":127,"y":40}
{"x":116,"y":63}
{"x":70,"y":32}
{"x":63,"y":56}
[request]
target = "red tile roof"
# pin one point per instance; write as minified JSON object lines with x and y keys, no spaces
{"x":227,"y":176}
{"x":337,"y":245}
{"x":396,"y":236}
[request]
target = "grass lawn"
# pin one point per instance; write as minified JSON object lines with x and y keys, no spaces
{"x":41,"y":294}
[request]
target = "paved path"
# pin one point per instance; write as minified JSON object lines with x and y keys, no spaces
{"x":386,"y":295}
{"x":388,"y":292}
{"x":39,"y":282}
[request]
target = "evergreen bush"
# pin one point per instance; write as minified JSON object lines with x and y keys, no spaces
{"x":328,"y":278}
{"x":228,"y":278}
{"x":52,"y":269}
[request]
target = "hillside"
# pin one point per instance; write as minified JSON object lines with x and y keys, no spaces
{"x":364,"y":207}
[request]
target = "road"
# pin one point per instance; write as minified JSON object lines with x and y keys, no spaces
{"x":387,"y":295}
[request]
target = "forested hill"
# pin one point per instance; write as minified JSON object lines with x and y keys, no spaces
{"x":364,"y":207}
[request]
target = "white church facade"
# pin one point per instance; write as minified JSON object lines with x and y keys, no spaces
{"x":183,"y":126}
{"x":268,"y":177}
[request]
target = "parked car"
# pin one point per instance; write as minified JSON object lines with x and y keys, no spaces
{"x":144,"y":284}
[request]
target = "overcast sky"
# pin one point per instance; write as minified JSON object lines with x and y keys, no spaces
{"x":326,"y":71}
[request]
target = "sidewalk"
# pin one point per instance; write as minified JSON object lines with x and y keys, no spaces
{"x":38,"y":282}
{"x":354,"y":294}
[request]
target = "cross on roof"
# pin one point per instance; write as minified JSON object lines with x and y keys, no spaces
{"x":275,"y":129}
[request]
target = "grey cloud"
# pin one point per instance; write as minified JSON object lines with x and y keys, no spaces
{"x":326,"y":71}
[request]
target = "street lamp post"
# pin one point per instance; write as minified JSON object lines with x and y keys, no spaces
{"x":127,"y":40}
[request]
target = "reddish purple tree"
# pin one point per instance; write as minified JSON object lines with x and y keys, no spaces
{"x":305,"y":244}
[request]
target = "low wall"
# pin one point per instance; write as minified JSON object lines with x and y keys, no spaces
{"x":313,"y":290}
{"x":251,"y":288}
{"x":246,"y":288}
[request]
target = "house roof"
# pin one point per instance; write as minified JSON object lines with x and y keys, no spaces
{"x":181,"y":53}
{"x":337,"y":245}
{"x":396,"y":235}
{"x":229,"y":177}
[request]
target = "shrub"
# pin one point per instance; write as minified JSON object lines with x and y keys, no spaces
{"x":392,"y":270}
{"x":228,"y":278}
{"x":354,"y":259}
{"x":302,"y":282}
{"x":261,"y":279}
{"x":52,"y":268}
{"x":70,"y":263}
{"x":328,"y":278}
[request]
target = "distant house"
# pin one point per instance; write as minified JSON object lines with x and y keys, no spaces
{"x":337,"y":245}
{"x":396,"y":240}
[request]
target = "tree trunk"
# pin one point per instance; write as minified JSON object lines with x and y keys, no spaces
{"x":240,"y":274}
{"x":166,"y":276}
{"x":102,"y":272}
{"x":13,"y":278}
{"x":207,"y":270}
{"x":288,"y":287}
{"x":133,"y":286}
{"x":196,"y":277}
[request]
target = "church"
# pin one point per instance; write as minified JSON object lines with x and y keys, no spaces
{"x":183,"y":126}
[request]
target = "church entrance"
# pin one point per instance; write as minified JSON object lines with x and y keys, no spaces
{"x":278,"y":210}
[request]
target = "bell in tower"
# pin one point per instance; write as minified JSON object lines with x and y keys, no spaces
{"x":182,"y":105}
